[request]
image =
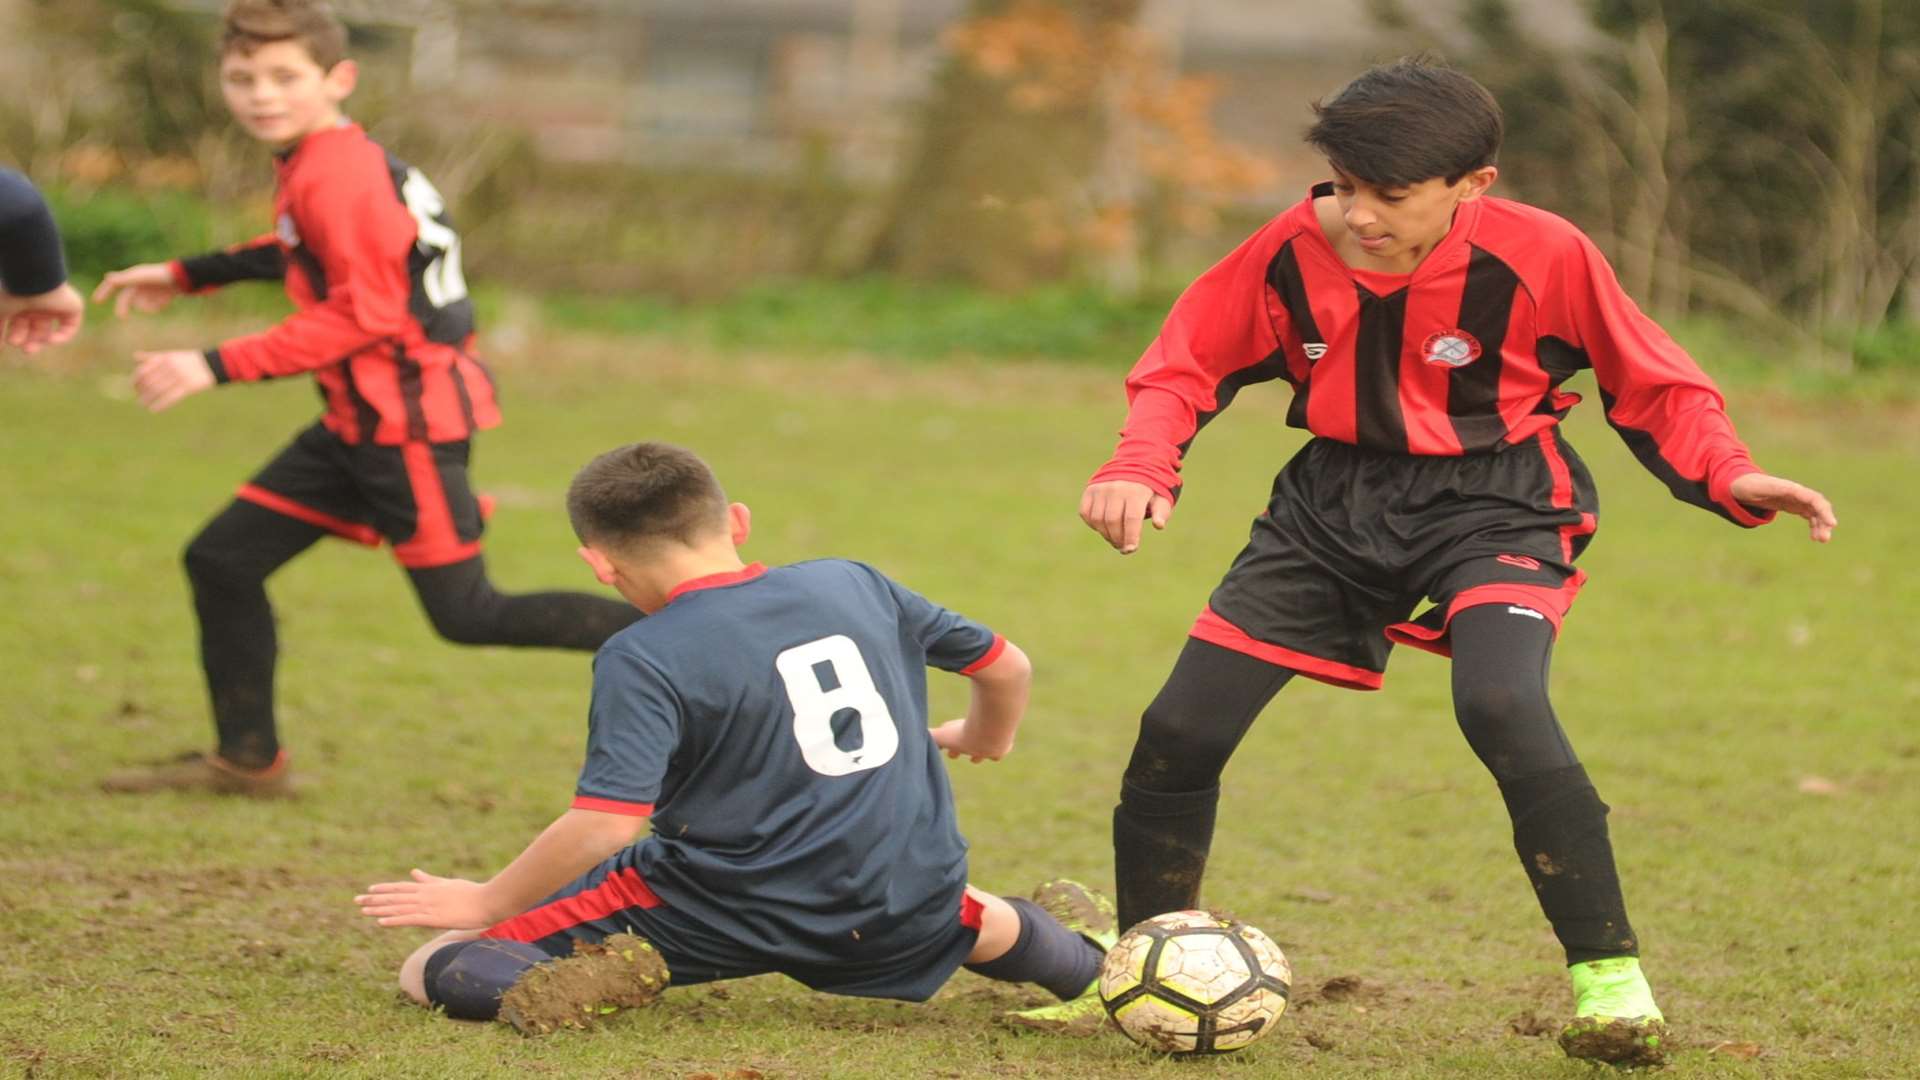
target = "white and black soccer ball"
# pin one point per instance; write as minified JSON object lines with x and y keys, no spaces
{"x":1195,"y":982}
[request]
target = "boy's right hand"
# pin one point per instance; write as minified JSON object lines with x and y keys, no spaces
{"x":1116,"y":508}
{"x":956,"y":740}
{"x":146,"y":288}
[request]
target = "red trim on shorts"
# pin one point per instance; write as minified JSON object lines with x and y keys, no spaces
{"x":1551,"y":603}
{"x":280,"y":504}
{"x":488,"y":504}
{"x":621,"y":890}
{"x":1214,"y":630}
{"x":435,"y":540}
{"x":613,"y":806}
{"x":714,"y":581}
{"x":1563,"y":495}
{"x":973,"y":913}
{"x":993,"y":653}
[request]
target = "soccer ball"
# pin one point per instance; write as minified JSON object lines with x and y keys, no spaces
{"x":1195,"y":982}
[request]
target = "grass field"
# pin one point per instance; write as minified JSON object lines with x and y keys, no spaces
{"x":1746,"y":702}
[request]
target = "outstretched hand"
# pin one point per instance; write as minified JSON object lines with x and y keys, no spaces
{"x":163,"y":379}
{"x":1116,"y":509}
{"x":1779,"y":493}
{"x":146,"y":288}
{"x":954,"y":737}
{"x":426,"y":900}
{"x":31,"y":323}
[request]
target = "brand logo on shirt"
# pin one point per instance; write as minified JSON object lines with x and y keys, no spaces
{"x":1524,"y":562}
{"x":1314,"y":349}
{"x":1450,"y":348}
{"x":284,"y":229}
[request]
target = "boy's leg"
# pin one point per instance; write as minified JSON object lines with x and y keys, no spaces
{"x":1163,"y":827}
{"x":466,"y":609}
{"x":424,"y":504}
{"x":1500,"y":660}
{"x":1057,"y":940}
{"x":227,"y":565}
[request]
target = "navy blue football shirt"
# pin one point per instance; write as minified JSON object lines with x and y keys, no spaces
{"x":775,"y":724}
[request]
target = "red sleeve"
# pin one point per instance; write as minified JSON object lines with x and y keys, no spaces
{"x":1224,"y":324}
{"x":354,"y":224}
{"x":1666,"y":409}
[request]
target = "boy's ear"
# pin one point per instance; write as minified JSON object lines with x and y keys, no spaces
{"x":603,"y":570}
{"x":341,"y":79}
{"x":1476,"y":183}
{"x":739,"y":522}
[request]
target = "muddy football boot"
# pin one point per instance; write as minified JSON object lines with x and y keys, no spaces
{"x":1614,"y":1017}
{"x":1092,"y":916}
{"x":196,"y":771}
{"x":622,"y":972}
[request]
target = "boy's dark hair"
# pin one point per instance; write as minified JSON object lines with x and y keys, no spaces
{"x":249,"y":24}
{"x":645,"y":492}
{"x":1412,"y":120}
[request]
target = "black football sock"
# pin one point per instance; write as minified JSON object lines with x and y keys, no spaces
{"x":227,"y":566}
{"x":1560,"y":834}
{"x":1062,"y":962}
{"x":1163,"y":827}
{"x":467,"y":978}
{"x":1160,"y":845}
{"x":466,"y":609}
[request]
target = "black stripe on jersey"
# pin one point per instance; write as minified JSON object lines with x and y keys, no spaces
{"x":1284,"y":278}
{"x":1273,"y":366}
{"x":1473,"y":391}
{"x":309,"y":265}
{"x":1647,"y":449}
{"x":1378,"y":421}
{"x":410,"y":393}
{"x":1561,"y":361}
{"x":365,"y":416}
{"x":460,"y":391}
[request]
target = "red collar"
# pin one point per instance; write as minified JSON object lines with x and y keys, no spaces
{"x":715,"y":581}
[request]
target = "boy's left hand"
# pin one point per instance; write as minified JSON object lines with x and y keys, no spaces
{"x":1779,"y":493}
{"x":164,"y":378}
{"x":956,"y":740}
{"x":437,"y":902}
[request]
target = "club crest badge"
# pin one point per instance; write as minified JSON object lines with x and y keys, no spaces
{"x":285,"y":230}
{"x":1314,"y":349}
{"x":1450,"y":348}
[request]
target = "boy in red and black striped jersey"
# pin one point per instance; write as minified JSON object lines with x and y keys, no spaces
{"x":1426,"y":330}
{"x":370,"y":260}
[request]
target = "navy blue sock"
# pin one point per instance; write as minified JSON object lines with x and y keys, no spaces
{"x":467,"y":978}
{"x":1061,"y":961}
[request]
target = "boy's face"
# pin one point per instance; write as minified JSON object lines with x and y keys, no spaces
{"x":1401,"y":224}
{"x":280,"y":95}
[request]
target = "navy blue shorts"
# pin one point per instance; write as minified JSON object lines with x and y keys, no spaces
{"x":1351,"y":540}
{"x":613,"y":899}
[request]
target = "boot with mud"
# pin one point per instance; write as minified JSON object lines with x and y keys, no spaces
{"x":197,"y":771}
{"x":621,"y":972}
{"x":1092,"y":916}
{"x":1615,"y":1020}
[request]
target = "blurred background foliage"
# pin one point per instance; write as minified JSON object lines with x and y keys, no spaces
{"x":1754,"y":163}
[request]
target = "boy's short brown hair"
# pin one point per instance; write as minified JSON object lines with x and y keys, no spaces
{"x":646,"y":492}
{"x":1412,"y":120}
{"x":249,"y":24}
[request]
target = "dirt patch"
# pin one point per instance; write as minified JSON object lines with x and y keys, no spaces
{"x":1632,"y":1045}
{"x":1532,"y":1025}
{"x":621,"y":972}
{"x":1343,"y":990}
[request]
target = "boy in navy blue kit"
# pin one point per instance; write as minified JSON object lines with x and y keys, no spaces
{"x":368,"y":256}
{"x":772,"y":725}
{"x":38,"y":307}
{"x":1425,"y":329}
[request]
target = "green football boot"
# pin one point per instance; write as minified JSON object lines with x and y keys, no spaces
{"x":1614,"y":1017}
{"x":1093,"y":917}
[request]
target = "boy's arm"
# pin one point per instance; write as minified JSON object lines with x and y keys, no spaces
{"x":259,"y":259}
{"x":1222,"y":334}
{"x":361,"y":235}
{"x":1666,"y":409}
{"x":1002,"y":681}
{"x":37,"y":305}
{"x":576,"y":842}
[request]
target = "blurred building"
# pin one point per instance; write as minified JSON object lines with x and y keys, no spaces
{"x":763,"y":84}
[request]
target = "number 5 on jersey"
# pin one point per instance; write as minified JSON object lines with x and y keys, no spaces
{"x":824,"y":677}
